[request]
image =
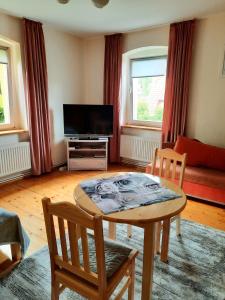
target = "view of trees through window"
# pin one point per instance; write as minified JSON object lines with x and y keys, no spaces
{"x":2,"y":116}
{"x":148,"y":98}
{"x":148,"y":87}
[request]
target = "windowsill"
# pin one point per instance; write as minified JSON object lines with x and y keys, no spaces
{"x":13,"y":131}
{"x":142,"y":127}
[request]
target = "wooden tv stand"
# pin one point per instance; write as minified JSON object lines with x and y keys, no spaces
{"x":87,"y":154}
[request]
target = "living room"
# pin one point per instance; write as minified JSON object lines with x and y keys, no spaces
{"x":77,"y":72}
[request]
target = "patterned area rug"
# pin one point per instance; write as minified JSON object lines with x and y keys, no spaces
{"x":196,"y":268}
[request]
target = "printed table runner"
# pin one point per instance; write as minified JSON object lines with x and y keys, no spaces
{"x":126,"y":191}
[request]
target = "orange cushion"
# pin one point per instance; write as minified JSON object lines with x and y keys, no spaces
{"x":191,"y":147}
{"x":200,"y":154}
{"x":214,"y":157}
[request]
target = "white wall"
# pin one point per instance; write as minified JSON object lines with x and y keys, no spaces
{"x":64,"y":62}
{"x":11,"y":27}
{"x":157,"y":36}
{"x":206,"y":114}
{"x":93,"y":67}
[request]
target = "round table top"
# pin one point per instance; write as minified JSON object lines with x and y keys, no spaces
{"x":143,"y":214}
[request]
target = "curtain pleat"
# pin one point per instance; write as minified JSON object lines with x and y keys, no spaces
{"x":177,"y":80}
{"x":37,"y":96}
{"x":112,"y":80}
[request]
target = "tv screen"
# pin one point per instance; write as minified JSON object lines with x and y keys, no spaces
{"x":88,"y":120}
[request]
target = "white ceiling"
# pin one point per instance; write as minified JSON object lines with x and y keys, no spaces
{"x":83,"y":19}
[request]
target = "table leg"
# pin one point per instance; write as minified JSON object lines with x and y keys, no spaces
{"x":148,"y":261}
{"x":157,"y":237}
{"x":7,"y":264}
{"x":16,"y":252}
{"x":165,"y":240}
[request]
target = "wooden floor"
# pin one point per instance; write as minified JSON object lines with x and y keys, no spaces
{"x":24,"y":198}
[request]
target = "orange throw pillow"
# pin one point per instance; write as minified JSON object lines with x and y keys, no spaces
{"x":191,"y":147}
{"x":200,"y":154}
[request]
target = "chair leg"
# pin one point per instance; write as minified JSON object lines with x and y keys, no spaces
{"x":165,"y":240}
{"x":178,"y":231}
{"x":157,"y":237}
{"x":129,"y":231}
{"x":131,"y":287}
{"x":112,"y":230}
{"x":55,"y":290}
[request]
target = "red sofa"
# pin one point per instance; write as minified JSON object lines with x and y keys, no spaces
{"x":204,"y":176}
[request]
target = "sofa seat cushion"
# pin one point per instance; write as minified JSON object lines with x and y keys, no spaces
{"x":205,"y":176}
{"x":200,"y":154}
{"x":210,"y":177}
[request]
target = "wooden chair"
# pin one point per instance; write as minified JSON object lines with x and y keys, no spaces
{"x":84,"y":262}
{"x":171,"y":165}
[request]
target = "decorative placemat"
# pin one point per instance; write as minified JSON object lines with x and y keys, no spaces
{"x":126,"y":191}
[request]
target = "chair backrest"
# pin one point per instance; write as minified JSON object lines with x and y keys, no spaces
{"x":72,"y":223}
{"x":169,"y":162}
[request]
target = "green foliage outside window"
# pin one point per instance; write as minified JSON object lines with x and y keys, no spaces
{"x":143,"y":111}
{"x":158,"y":114}
{"x":2,"y":116}
{"x":144,"y":114}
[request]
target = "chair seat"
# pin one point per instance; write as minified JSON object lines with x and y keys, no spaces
{"x":115,"y":255}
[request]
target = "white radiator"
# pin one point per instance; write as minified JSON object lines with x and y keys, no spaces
{"x":14,"y":158}
{"x":139,"y":149}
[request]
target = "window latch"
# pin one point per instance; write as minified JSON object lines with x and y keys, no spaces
{"x":130,"y":90}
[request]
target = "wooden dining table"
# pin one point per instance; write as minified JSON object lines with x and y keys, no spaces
{"x":144,"y":217}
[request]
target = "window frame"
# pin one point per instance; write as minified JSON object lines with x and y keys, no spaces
{"x":11,"y":124}
{"x":154,"y":124}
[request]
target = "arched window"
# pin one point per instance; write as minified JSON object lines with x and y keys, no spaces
{"x":143,"y":84}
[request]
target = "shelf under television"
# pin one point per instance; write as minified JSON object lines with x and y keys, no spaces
{"x":86,"y":149}
{"x":87,"y":154}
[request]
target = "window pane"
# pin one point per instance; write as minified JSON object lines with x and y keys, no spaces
{"x":148,"y":67}
{"x":3,"y":56}
{"x":148,"y":98}
{"x":4,"y":95}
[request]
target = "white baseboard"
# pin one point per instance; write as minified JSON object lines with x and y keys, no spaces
{"x":16,"y":176}
{"x":26,"y":173}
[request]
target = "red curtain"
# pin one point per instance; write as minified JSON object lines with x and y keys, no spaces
{"x":37,"y":96}
{"x":177,"y":81}
{"x":112,"y":78}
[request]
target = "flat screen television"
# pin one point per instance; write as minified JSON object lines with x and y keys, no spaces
{"x":90,"y":121}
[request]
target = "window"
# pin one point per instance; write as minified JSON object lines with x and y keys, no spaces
{"x":5,"y":113}
{"x":148,"y":76}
